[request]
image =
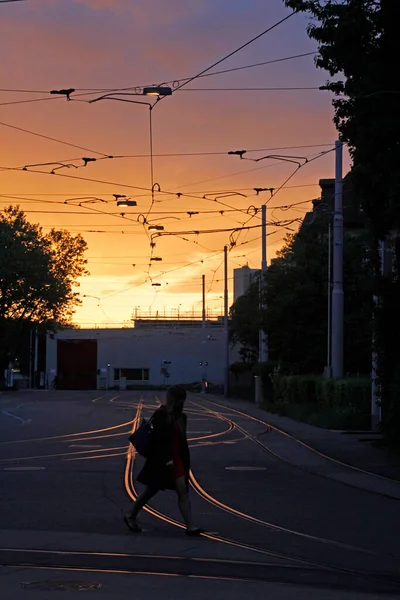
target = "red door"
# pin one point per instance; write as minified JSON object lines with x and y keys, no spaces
{"x":77,"y":364}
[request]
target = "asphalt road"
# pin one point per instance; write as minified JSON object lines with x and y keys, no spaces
{"x":67,"y":478}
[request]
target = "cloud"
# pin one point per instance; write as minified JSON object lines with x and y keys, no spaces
{"x":150,"y":14}
{"x":96,"y":43}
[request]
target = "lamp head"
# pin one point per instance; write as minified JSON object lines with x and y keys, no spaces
{"x":157,"y":90}
{"x":125,"y":203}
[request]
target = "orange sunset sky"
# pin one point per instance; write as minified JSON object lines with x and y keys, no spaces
{"x":99,"y":45}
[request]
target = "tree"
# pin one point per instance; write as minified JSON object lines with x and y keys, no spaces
{"x":245,"y":323}
{"x":297,"y":294}
{"x":296,"y":299}
{"x":37,"y":276}
{"x":358,"y":41}
{"x":296,"y":303}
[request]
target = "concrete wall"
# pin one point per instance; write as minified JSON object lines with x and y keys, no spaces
{"x":146,"y":348}
{"x":242,"y":279}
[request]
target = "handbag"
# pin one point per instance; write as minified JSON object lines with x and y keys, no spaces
{"x":142,"y":438}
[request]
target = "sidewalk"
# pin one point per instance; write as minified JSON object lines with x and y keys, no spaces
{"x":341,"y":446}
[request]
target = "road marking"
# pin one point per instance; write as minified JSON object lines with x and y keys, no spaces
{"x":190,"y":431}
{"x":8,"y":414}
{"x":85,"y":446}
{"x":24,"y":468}
{"x":96,"y":399}
{"x":245,"y":468}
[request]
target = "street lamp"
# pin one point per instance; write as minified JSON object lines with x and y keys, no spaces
{"x":157,"y":227}
{"x":157,"y":90}
{"x":148,"y":91}
{"x":126,"y":203}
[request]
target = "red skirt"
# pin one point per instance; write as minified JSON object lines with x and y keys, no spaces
{"x":178,"y":469}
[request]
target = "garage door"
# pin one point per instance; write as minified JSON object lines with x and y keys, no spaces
{"x":77,"y":364}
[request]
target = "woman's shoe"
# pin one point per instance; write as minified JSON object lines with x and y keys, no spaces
{"x":132,"y":524}
{"x":195,"y":532}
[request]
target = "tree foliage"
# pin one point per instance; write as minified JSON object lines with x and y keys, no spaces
{"x":358,"y":43}
{"x":245,"y":324}
{"x":297,"y":299}
{"x":37,"y":275}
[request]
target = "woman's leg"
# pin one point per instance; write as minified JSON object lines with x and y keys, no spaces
{"x":184,"y":502}
{"x":141,"y":500}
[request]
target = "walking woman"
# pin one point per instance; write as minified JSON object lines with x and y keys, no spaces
{"x":168,"y":464}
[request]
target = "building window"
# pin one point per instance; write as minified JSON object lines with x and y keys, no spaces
{"x":131,"y":374}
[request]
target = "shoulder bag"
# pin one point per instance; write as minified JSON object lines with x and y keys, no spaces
{"x":141,"y":439}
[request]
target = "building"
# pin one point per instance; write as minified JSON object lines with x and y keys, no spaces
{"x":141,"y":323}
{"x":147,"y":356}
{"x":242,"y":279}
{"x":323,"y":207}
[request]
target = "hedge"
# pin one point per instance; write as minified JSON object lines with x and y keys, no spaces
{"x":341,"y":403}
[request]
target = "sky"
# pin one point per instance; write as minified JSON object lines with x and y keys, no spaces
{"x":98,"y":46}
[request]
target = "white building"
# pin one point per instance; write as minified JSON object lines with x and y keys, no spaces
{"x":242,"y":279}
{"x":153,"y":355}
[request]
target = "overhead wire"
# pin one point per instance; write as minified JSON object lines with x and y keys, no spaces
{"x":236,"y":89}
{"x":275,"y":192}
{"x":46,"y":137}
{"x":164,"y":192}
{"x":191,"y":79}
{"x":292,"y":174}
{"x":213,"y":280}
{"x":183,"y":154}
{"x":17,"y":196}
{"x":124,"y":185}
{"x":260,"y":64}
{"x":250,"y":89}
{"x":30,"y":101}
{"x":248,"y":43}
{"x":218,"y":62}
{"x":186,"y":265}
{"x":90,"y":91}
{"x":173,"y":233}
{"x":230,"y":175}
{"x":133,"y":222}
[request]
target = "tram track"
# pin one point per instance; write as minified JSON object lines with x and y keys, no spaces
{"x":293,"y":560}
{"x":268,"y":427}
{"x":269,"y":566}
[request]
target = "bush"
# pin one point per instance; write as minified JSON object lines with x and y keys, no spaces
{"x":266,"y":371}
{"x":238,"y":368}
{"x":338,"y":404}
{"x":345,"y":393}
{"x":295,"y":389}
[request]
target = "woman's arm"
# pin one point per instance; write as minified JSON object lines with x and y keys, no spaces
{"x":161,"y":433}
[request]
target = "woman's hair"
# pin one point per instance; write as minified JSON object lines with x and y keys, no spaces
{"x":176,"y":395}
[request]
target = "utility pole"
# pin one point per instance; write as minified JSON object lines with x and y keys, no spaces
{"x":385,"y":255}
{"x":36,"y":359}
{"x":337,"y":292}
{"x":203,"y":326}
{"x":263,"y":338}
{"x":31,"y":379}
{"x":328,"y":368}
{"x":226,"y":324}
